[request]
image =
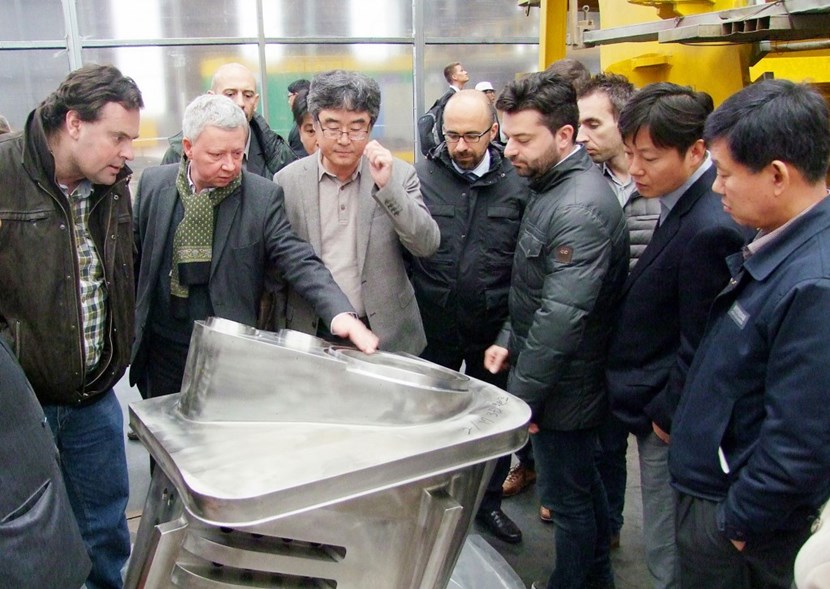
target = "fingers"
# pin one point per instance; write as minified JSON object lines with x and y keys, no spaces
{"x":377,"y":154}
{"x":495,"y":359}
{"x":346,"y":325}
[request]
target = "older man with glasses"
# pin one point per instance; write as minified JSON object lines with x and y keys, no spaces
{"x":359,"y":207}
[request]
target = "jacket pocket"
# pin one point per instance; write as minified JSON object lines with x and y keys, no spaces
{"x":530,"y":260}
{"x":444,"y":216}
{"x":26,"y":216}
{"x":442,"y":210}
{"x":503,"y":212}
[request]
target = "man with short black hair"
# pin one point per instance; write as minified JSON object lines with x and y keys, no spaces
{"x":668,"y":292}
{"x":750,"y":451}
{"x":359,"y":207}
{"x":570,"y":263}
{"x":600,"y":102}
{"x":296,"y":88}
{"x":67,"y":292}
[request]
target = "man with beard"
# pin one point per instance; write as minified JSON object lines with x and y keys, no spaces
{"x":570,"y":263}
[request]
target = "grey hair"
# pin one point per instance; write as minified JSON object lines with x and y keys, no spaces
{"x":340,"y":89}
{"x":5,"y":127}
{"x":211,"y":110}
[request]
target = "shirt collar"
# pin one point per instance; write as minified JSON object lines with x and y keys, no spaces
{"x":190,"y":180}
{"x":248,"y":143}
{"x":482,"y":168}
{"x":762,"y":239}
{"x":82,"y":190}
{"x":667,"y":201}
{"x":575,"y":150}
{"x":322,"y":171}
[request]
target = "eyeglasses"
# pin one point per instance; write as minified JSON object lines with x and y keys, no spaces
{"x":337,"y":133}
{"x":453,"y":137}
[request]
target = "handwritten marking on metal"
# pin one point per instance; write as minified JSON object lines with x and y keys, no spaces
{"x":487,"y":415}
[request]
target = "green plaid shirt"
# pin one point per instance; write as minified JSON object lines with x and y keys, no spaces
{"x":91,"y":278}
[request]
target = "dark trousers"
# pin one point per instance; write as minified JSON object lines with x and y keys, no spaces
{"x":610,"y":458}
{"x":164,"y":368}
{"x":451,"y":356}
{"x":569,"y":484}
{"x":708,"y":560}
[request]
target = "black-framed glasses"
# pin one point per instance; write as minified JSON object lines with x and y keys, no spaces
{"x":453,"y":137}
{"x":337,"y":133}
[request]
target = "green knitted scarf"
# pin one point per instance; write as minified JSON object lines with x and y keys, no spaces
{"x":193,"y":241}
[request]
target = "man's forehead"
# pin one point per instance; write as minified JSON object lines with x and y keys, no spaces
{"x":212,"y":133}
{"x":239,"y":81}
{"x":595,"y":100}
{"x":114,"y":117}
{"x":343,"y":115}
{"x":527,"y":118}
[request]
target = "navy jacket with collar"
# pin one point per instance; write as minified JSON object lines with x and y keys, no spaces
{"x":759,"y":389}
{"x":666,"y":299}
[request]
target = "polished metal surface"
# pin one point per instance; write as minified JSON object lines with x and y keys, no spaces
{"x":286,"y":462}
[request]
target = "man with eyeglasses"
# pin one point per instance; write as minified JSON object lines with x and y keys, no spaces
{"x":359,"y":207}
{"x":477,"y":199}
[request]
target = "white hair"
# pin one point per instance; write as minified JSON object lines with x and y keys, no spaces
{"x":211,"y":110}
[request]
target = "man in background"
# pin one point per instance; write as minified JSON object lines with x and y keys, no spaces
{"x":67,"y":291}
{"x":266,"y":152}
{"x":430,"y":125}
{"x":600,"y":102}
{"x":488,"y":90}
{"x":296,"y":88}
{"x":304,"y":124}
{"x":477,"y":199}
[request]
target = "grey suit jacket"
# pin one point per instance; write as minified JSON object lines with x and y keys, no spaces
{"x":251,"y":235}
{"x":388,"y":218}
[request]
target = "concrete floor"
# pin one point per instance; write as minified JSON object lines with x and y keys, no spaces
{"x":531,"y":559}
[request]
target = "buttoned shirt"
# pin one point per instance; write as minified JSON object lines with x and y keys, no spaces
{"x":623,"y":190}
{"x":93,"y":294}
{"x":339,"y":204}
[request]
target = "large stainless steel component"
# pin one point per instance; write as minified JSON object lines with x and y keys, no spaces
{"x":288,"y":463}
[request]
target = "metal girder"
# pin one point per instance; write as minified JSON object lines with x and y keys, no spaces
{"x":785,"y":20}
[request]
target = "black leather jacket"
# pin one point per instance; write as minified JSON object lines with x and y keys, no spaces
{"x":40,"y":311}
{"x":462,"y":289}
{"x":570,"y":265}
